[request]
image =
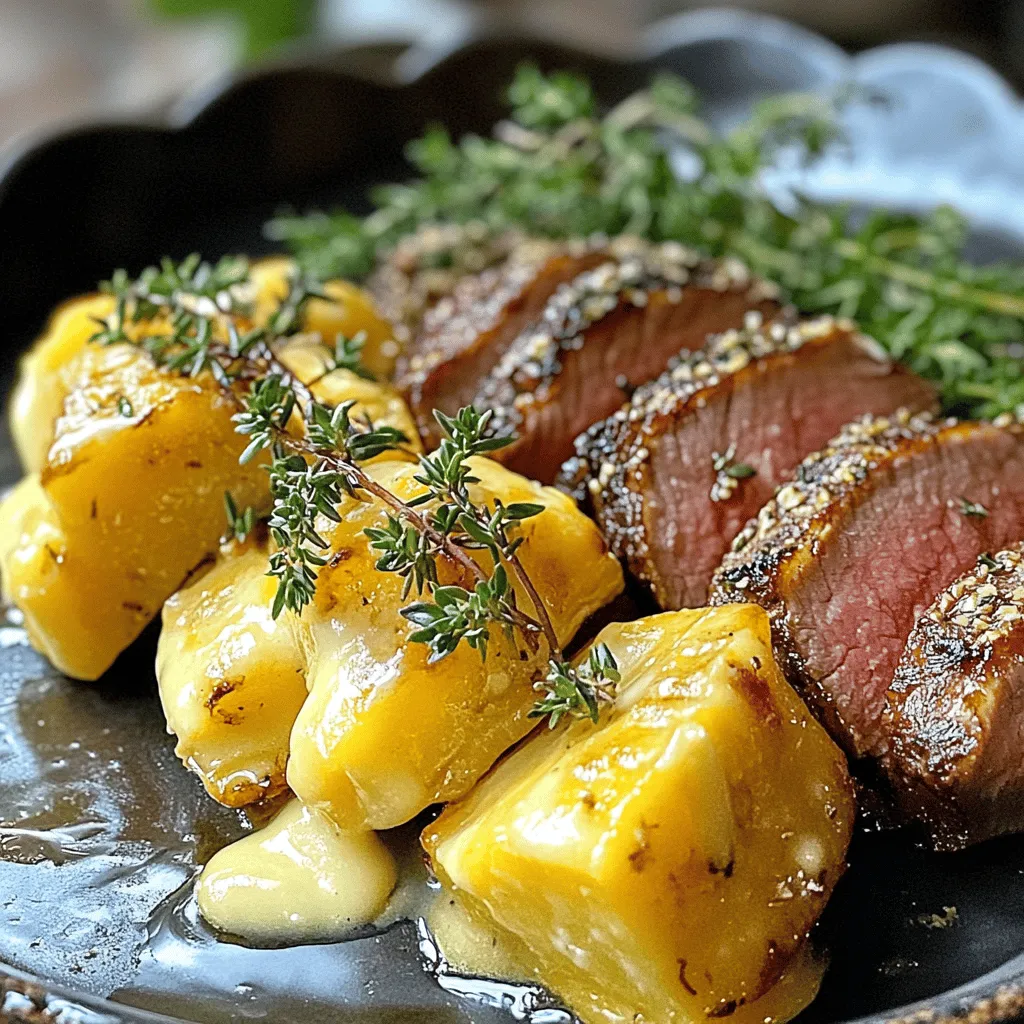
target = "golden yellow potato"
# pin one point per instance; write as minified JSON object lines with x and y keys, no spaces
{"x":39,"y":396}
{"x":232,"y":679}
{"x":131,"y":464}
{"x":667,"y":864}
{"x":383,"y":734}
{"x":128,"y":504}
{"x":48,"y":372}
{"x":349,"y":310}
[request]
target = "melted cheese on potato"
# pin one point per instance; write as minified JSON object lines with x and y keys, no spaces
{"x":300,"y":879}
{"x":128,"y":497}
{"x":384,"y":733}
{"x":667,"y":864}
{"x":368,"y":684}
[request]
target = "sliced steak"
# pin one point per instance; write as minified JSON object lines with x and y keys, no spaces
{"x":868,"y":533}
{"x":676,"y":474}
{"x":610,"y":330}
{"x":954,"y":716}
{"x":465,"y":334}
{"x":429,"y":264}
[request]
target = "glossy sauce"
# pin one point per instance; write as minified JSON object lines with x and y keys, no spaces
{"x":300,"y":879}
{"x":102,"y":831}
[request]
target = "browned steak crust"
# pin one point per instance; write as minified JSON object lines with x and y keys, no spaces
{"x":674,"y":475}
{"x":429,"y":264}
{"x":866,"y":535}
{"x":467,"y":332}
{"x":610,"y":330}
{"x":954,"y":715}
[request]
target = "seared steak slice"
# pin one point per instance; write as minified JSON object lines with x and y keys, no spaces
{"x":868,"y":533}
{"x":428,"y":265}
{"x":955,"y":710}
{"x":674,"y":476}
{"x":466,"y":333}
{"x":610,"y":330}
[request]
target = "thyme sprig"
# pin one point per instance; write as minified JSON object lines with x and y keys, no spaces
{"x":973,"y":509}
{"x":197,"y":319}
{"x":578,"y":691}
{"x":310,"y":474}
{"x":652,"y":166}
{"x":195,"y":316}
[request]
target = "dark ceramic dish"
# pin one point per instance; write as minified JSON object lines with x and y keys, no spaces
{"x":101,"y":829}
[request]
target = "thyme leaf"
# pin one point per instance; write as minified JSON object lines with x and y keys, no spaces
{"x":348,"y":354}
{"x":240,"y":524}
{"x":972,"y":508}
{"x":577,"y":691}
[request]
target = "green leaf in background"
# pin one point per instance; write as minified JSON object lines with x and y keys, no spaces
{"x":266,"y":23}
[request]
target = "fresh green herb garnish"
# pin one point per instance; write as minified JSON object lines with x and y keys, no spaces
{"x":728,"y":473}
{"x":310,"y":475}
{"x":240,"y":524}
{"x":722,"y":462}
{"x":348,"y":354}
{"x":578,"y":690}
{"x":311,"y":472}
{"x":557,"y":168}
{"x":192,"y":304}
{"x":124,"y":407}
{"x":972,"y":508}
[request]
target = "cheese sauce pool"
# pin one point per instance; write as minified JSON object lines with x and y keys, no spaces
{"x":300,"y":879}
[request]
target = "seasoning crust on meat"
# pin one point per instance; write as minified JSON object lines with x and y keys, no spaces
{"x":953,"y":711}
{"x":673,"y":475}
{"x":609,"y":331}
{"x":862,"y":539}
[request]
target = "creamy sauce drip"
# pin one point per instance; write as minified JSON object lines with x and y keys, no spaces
{"x":474,"y":948}
{"x":300,"y":879}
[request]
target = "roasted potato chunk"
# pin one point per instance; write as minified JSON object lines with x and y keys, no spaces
{"x":232,"y":680}
{"x":384,"y":733}
{"x":129,"y":503}
{"x":232,"y":677}
{"x":128,"y":498}
{"x":48,"y":371}
{"x":666,"y":864}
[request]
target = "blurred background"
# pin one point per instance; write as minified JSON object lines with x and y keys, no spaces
{"x":64,"y":60}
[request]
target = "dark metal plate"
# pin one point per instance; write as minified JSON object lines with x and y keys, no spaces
{"x":101,"y":829}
